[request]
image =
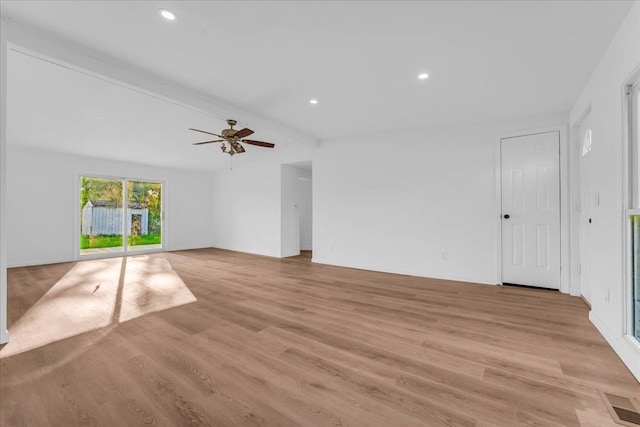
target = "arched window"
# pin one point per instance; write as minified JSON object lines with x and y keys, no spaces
{"x":586,"y":142}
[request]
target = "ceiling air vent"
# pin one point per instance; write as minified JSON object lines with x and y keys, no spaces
{"x":624,"y":410}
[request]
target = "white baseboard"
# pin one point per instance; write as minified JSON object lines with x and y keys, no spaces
{"x":253,"y":252}
{"x":30,"y":263}
{"x":38,"y":262}
{"x":627,"y":350}
{"x":467,"y":279}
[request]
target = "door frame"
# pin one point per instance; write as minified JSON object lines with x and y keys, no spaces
{"x":565,"y":278}
{"x":576,"y":199}
{"x":575,"y":150}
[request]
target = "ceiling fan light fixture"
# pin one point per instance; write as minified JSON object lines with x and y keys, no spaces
{"x":167,"y":14}
{"x":423,"y":76}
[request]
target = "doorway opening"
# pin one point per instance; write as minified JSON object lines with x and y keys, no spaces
{"x":305,"y":213}
{"x":297,"y":209}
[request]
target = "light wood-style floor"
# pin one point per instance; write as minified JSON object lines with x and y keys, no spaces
{"x":261,"y":341}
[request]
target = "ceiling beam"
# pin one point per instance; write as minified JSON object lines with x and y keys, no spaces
{"x":31,"y":41}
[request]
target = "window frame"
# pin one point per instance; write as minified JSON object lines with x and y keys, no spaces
{"x":631,"y":196}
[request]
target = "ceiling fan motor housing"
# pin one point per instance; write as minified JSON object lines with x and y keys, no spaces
{"x":228,"y":133}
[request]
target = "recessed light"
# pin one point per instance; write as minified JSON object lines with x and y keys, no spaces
{"x":313,"y":101}
{"x":423,"y":76}
{"x":167,"y":14}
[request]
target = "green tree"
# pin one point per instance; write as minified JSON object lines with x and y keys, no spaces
{"x":100,"y":189}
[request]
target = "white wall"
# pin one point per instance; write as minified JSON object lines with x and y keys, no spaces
{"x":42,"y":203}
{"x":396,"y":202}
{"x":604,"y":96}
{"x":247,"y":202}
{"x":290,"y":209}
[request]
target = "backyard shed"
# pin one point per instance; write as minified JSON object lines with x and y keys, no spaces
{"x":101,"y":217}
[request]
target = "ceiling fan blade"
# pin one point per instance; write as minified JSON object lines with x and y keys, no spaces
{"x":258,"y":143}
{"x":204,"y":131}
{"x":243,"y":132}
{"x":208,"y":142}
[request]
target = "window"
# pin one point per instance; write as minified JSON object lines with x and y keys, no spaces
{"x":586,"y":142}
{"x":105,"y":217}
{"x":633,"y":96}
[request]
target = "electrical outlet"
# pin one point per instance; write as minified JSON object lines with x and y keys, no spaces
{"x":332,"y":247}
{"x":444,"y":256}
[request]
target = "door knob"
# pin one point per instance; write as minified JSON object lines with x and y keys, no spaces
{"x":506,"y":216}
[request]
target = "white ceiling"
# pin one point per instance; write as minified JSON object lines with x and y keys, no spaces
{"x":486,"y":60}
{"x":58,"y":109}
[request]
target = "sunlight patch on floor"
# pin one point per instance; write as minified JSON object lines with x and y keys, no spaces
{"x":151,"y":285}
{"x":95,"y":294}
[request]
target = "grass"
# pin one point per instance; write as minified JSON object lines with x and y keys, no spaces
{"x":149,"y":239}
{"x":94,"y":242}
{"x":101,"y":241}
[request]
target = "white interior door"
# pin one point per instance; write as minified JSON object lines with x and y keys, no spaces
{"x":586,"y":202}
{"x":531,"y":210}
{"x":306,"y":221}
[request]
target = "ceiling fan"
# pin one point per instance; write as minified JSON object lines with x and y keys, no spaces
{"x":233,"y":137}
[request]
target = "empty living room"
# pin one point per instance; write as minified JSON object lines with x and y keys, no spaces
{"x":320,"y":213}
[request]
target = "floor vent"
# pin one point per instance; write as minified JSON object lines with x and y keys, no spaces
{"x":624,"y":410}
